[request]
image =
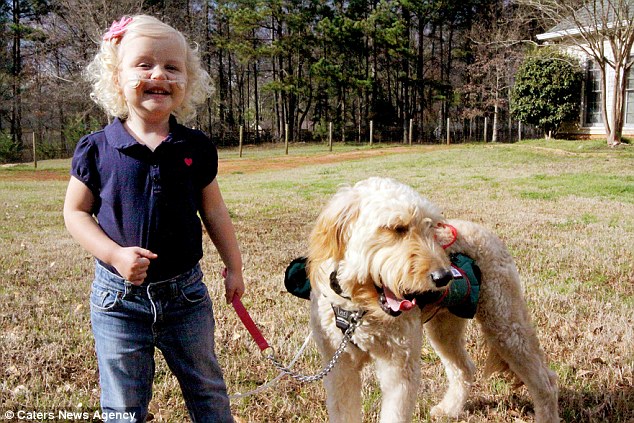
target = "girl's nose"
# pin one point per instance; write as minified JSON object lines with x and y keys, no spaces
{"x":158,"y":73}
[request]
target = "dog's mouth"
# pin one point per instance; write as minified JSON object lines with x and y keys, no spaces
{"x":392,"y":304}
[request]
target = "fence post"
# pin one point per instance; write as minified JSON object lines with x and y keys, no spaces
{"x":371,"y":131}
{"x":519,"y":130}
{"x":330,"y":136}
{"x":286,"y":138}
{"x":486,"y":126}
{"x":34,"y":152}
{"x":240,"y":140}
{"x":411,"y":129}
{"x":448,"y":131}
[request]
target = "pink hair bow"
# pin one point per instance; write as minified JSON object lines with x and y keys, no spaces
{"x":117,"y":29}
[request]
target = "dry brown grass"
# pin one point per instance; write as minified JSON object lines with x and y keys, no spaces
{"x":568,"y":219}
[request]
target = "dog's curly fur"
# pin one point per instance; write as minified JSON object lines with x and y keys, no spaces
{"x":382,"y":236}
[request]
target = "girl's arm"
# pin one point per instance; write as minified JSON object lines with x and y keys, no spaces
{"x":131,"y":263}
{"x":217,"y":221}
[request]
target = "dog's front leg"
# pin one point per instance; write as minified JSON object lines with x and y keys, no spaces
{"x":343,"y":383}
{"x":445,"y":332}
{"x":343,"y":390}
{"x":399,"y":388}
{"x":399,"y":378}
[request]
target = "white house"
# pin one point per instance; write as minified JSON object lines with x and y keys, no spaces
{"x":590,"y":123}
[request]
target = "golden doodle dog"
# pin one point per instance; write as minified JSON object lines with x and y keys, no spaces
{"x":377,"y":250}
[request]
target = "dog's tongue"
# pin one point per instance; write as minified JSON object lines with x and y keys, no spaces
{"x":397,"y":304}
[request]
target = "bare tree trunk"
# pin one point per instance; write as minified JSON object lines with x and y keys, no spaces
{"x":496,"y":110}
{"x":208,"y":62}
{"x":494,"y":131}
{"x":604,"y":107}
{"x":16,"y":73}
{"x":256,"y":102}
{"x":406,"y":72}
{"x":420,"y":69}
{"x":277,"y":97}
{"x":614,"y":137}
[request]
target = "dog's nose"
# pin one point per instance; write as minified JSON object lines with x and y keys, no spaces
{"x":441,"y":277}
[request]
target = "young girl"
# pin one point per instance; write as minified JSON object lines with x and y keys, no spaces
{"x":136,"y":192}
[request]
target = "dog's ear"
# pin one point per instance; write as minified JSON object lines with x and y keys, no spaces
{"x":443,"y":233}
{"x":331,"y":231}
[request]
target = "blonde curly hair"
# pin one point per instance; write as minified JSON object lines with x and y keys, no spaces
{"x":102,"y":71}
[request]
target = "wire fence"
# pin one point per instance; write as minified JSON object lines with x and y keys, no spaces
{"x":49,"y":144}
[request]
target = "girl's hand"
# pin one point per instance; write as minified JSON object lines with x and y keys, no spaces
{"x":132,"y":263}
{"x":234,"y":284}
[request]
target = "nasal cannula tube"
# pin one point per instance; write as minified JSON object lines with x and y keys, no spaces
{"x":134,"y":83}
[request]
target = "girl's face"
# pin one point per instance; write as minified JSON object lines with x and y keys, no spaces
{"x":152,"y":76}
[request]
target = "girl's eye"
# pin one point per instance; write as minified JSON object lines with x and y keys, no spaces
{"x":143,"y":66}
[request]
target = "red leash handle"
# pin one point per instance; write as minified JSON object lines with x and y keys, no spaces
{"x":247,"y":321}
{"x":243,"y":314}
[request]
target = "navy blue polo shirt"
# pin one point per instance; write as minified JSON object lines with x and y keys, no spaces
{"x":148,"y":198}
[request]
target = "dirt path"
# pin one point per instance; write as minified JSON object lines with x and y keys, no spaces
{"x":34,"y":175}
{"x":248,"y":165}
{"x":235,"y":165}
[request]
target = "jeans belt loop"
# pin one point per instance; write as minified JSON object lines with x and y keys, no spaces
{"x":128,"y":289}
{"x":132,"y":290}
{"x":174,"y":289}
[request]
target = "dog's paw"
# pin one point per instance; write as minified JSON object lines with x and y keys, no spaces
{"x":441,"y":411}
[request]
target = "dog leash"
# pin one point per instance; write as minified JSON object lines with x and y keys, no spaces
{"x":248,"y":323}
{"x":280,"y":375}
{"x":263,"y":345}
{"x":355,"y":322}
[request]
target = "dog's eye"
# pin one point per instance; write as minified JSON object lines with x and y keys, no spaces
{"x":401,"y":229}
{"x":395,"y":229}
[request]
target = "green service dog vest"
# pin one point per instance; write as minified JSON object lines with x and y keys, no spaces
{"x":460,"y":297}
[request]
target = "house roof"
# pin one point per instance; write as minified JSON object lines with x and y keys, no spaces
{"x":591,"y":15}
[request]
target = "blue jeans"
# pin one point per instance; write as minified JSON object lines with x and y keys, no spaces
{"x":176,"y":316}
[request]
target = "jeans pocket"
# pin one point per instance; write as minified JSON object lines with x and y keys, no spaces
{"x":195,"y":292}
{"x":104,"y":299}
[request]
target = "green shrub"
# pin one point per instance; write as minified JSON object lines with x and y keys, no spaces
{"x":546,"y":90}
{"x":9,"y":150}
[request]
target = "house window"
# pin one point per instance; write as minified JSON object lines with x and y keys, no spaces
{"x":593,"y":95}
{"x":629,"y":98}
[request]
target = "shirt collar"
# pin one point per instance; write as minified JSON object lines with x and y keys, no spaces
{"x":119,"y":138}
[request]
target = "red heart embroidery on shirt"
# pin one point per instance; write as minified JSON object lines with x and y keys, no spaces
{"x":188,"y":161}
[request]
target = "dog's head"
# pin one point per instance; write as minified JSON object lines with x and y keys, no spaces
{"x":379,"y":238}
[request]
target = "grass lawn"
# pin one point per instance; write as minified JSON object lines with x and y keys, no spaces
{"x":565,"y":209}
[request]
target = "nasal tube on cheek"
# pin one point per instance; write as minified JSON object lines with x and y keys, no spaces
{"x":134,"y":83}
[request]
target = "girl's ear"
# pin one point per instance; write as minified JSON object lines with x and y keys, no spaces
{"x":115,"y":80}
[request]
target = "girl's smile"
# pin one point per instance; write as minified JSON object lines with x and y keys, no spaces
{"x":156,"y":90}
